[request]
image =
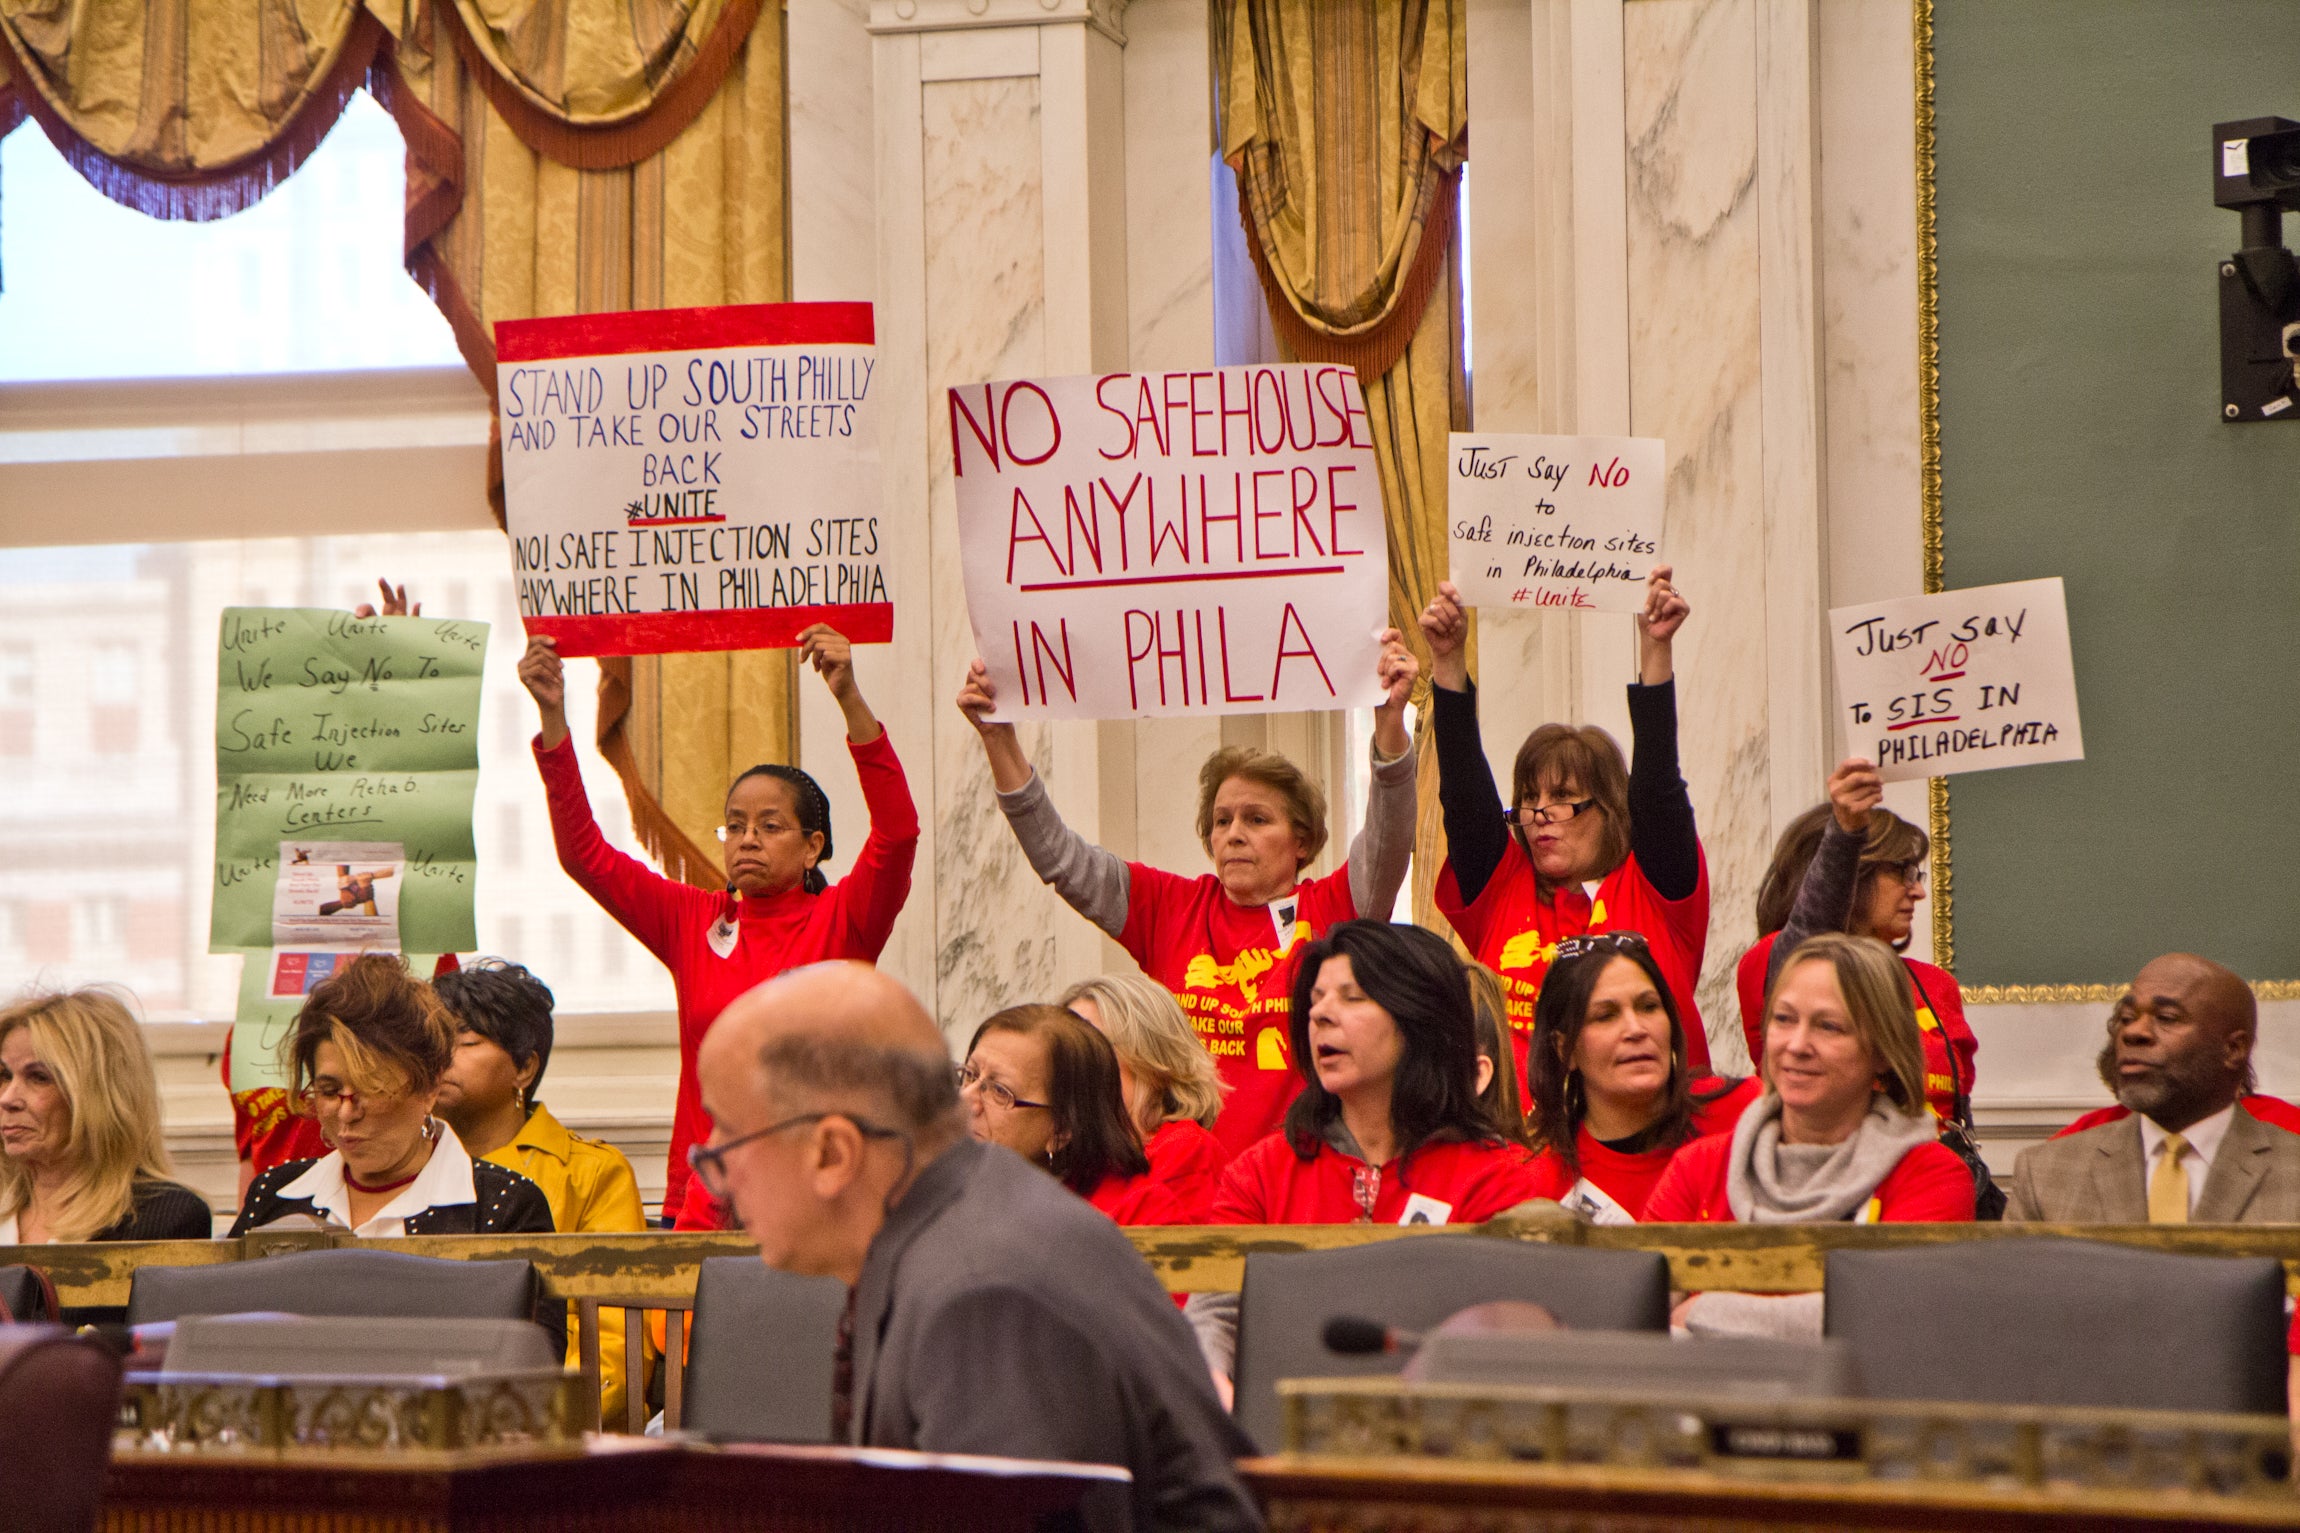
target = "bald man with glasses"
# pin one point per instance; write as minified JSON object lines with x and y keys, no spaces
{"x":991,"y":1311}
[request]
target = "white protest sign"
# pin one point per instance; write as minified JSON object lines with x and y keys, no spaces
{"x":1554,"y":521}
{"x":693,"y":479}
{"x":1962,"y":681}
{"x":1142,"y":545}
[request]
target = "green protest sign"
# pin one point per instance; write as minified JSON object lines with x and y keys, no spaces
{"x":270,"y":996}
{"x":333,"y":730}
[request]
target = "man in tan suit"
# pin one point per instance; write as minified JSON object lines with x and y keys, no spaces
{"x":2179,"y":1056}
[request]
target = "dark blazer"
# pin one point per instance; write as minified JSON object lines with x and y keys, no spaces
{"x":2100,"y":1177}
{"x":164,"y":1211}
{"x":999,"y":1313}
{"x":509,"y":1204}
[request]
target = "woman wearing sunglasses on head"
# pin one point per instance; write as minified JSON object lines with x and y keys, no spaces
{"x":1852,"y":865}
{"x":778,"y":910}
{"x":1585,"y":843}
{"x":1613,"y":1098}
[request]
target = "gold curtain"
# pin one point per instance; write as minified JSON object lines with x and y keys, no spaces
{"x":1346,"y":122}
{"x":699,"y":221}
{"x":563,"y":156}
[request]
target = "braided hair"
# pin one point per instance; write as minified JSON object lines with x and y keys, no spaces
{"x":814,"y":813}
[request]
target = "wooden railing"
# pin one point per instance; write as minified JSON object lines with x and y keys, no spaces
{"x":657,"y":1271}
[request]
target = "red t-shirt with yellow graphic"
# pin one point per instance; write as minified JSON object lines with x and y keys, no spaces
{"x":1941,"y":1024}
{"x":1513,"y":931}
{"x":1233,"y":972}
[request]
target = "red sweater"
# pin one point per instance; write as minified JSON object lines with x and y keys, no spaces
{"x":1138,"y":1200}
{"x":1513,"y":931}
{"x":1941,"y":1024}
{"x":850,"y":919}
{"x":1629,"y":1180}
{"x":1188,"y":1162}
{"x":1448,"y":1182}
{"x":1221,"y":960}
{"x":1929,"y":1186}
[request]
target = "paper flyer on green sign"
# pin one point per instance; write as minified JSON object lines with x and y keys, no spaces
{"x":334,"y":732}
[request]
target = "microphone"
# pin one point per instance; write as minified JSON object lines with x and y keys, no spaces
{"x":1355,"y":1336}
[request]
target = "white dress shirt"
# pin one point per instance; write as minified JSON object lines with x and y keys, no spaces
{"x":2203,"y":1136}
{"x":444,"y":1181}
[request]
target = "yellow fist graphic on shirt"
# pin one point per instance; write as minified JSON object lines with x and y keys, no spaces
{"x":1270,"y":1049}
{"x":1526,"y":948}
{"x":1251,"y":965}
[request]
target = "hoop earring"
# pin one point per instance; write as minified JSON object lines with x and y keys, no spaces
{"x":430,"y":1129}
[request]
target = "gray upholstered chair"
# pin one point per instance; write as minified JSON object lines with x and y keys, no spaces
{"x":2062,"y":1322}
{"x":759,"y":1369}
{"x":59,"y":1399}
{"x":357,"y":1282}
{"x":1288,"y":1297}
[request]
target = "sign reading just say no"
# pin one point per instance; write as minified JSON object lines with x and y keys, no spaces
{"x":1570,"y":522}
{"x":1960,"y":681}
{"x":693,"y":479}
{"x":1148,"y":544}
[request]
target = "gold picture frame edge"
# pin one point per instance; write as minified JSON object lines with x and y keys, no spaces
{"x":1929,"y":469}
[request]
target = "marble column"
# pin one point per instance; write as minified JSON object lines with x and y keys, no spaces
{"x":1001,"y":210}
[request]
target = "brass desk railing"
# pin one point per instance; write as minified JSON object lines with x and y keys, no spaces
{"x":657,"y":1271}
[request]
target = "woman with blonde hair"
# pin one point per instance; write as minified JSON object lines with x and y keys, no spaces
{"x":1173,"y":1092}
{"x":80,"y":1127}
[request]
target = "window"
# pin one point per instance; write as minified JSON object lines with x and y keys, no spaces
{"x":106,"y":859}
{"x":113,"y":698}
{"x":17,"y":693}
{"x":307,"y":279}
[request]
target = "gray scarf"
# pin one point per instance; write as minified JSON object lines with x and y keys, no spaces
{"x":1768,"y":1182}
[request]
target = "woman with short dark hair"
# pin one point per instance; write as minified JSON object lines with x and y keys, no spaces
{"x":1613,"y":1097}
{"x":1224,"y":942}
{"x":366,"y":1058}
{"x":1043,"y":1082}
{"x":1388,"y":1128}
{"x":1585,"y":844}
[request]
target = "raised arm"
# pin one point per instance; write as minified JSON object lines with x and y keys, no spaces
{"x":1832,"y":878}
{"x":1476,"y":821}
{"x":878,"y":883}
{"x":1092,"y":880}
{"x":1384,"y":844}
{"x":633,"y":893}
{"x":1661,"y":829}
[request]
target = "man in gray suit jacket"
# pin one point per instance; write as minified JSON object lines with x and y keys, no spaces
{"x":992,"y":1311}
{"x":2179,"y":1056}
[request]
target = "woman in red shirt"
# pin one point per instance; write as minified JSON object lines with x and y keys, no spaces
{"x":1852,"y":865}
{"x":1042,"y":1082}
{"x":778,"y":911}
{"x":1613,"y":1099}
{"x":1586,"y":844}
{"x":1224,"y":942}
{"x":1173,"y":1094}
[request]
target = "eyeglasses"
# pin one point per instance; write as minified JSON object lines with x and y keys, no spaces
{"x":709,"y":1162}
{"x":1910,"y":873}
{"x":1550,"y":814}
{"x":346,"y":1098}
{"x":1000,"y":1093}
{"x":1601,"y":942}
{"x":736,"y":830}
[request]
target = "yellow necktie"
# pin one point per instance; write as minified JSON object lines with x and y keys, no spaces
{"x":2168,"y":1184}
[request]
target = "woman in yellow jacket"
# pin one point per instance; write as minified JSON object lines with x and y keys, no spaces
{"x":503,"y":1041}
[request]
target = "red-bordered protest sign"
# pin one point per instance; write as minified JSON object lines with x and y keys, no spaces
{"x":693,"y":479}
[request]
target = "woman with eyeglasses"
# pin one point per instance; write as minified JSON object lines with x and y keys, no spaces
{"x":1585,"y":844}
{"x":365,"y":1059}
{"x":1852,"y":865}
{"x":1613,"y":1097}
{"x":1043,"y":1082}
{"x":777,"y":912}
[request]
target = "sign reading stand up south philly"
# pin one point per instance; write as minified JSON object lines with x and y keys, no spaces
{"x":1142,"y":545}
{"x":693,"y":479}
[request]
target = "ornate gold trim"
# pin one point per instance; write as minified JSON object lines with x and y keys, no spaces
{"x":2044,"y":995}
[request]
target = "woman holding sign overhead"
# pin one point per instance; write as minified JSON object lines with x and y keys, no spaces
{"x":778,"y":910}
{"x":1586,"y":844}
{"x":1224,"y":942}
